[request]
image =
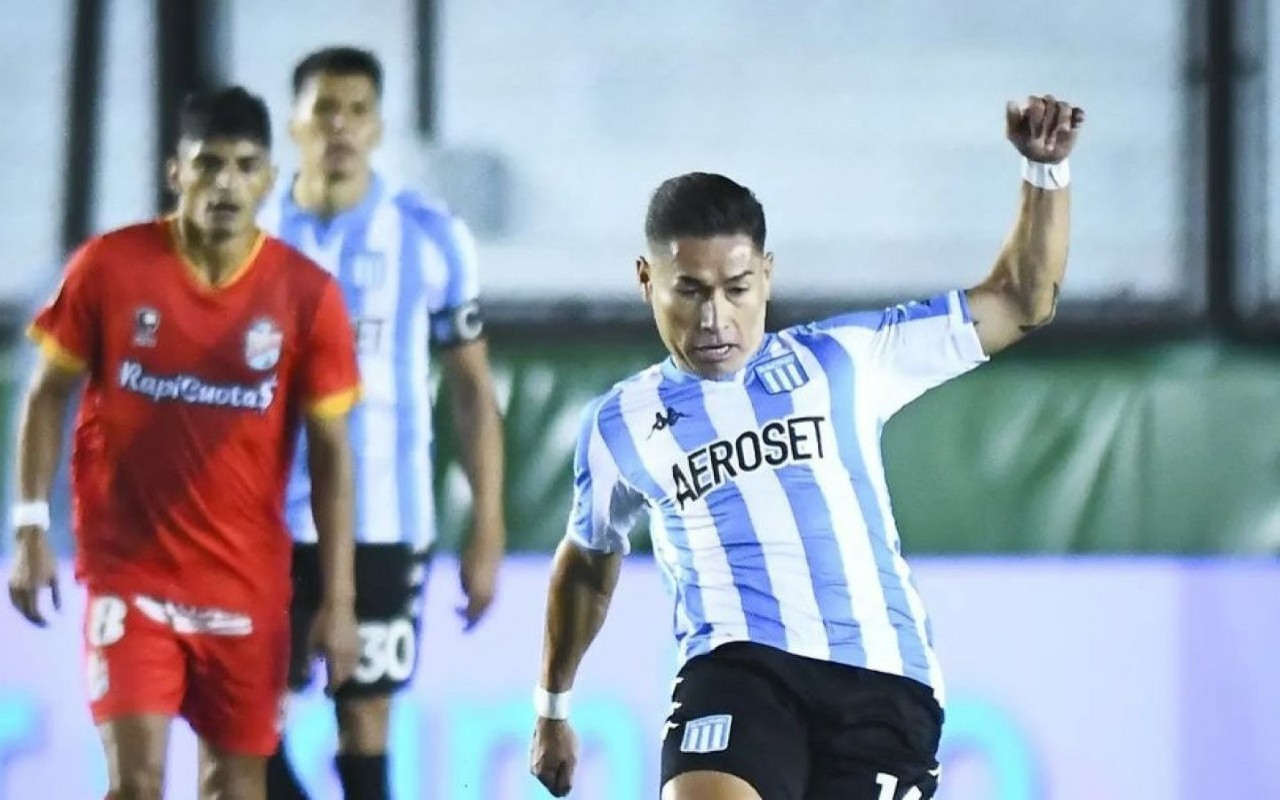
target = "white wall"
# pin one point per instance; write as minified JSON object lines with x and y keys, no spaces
{"x":872,"y":132}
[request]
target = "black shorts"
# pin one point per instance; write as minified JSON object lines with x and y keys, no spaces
{"x":389,"y":583}
{"x":801,"y":729}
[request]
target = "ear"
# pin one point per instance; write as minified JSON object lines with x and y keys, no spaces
{"x":644,"y":274}
{"x":171,"y":169}
{"x":294,"y":126}
{"x":766,"y":273}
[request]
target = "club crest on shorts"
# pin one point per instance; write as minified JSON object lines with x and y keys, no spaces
{"x":782,"y":374}
{"x":146,"y":321}
{"x":263,"y":343}
{"x":707,"y":734}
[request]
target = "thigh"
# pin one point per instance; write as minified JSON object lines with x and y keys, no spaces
{"x":135,"y":748}
{"x":730,"y":716}
{"x":302,"y":614}
{"x":389,"y":590}
{"x":231,"y":776}
{"x":235,"y":701}
{"x":879,"y":741}
{"x":135,"y":665}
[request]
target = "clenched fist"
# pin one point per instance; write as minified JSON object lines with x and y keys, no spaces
{"x":1043,"y":128}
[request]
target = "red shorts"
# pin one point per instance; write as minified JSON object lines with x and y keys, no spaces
{"x":223,"y":672}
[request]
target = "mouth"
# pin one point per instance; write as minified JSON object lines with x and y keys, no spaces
{"x":714,"y":353}
{"x":224,"y":208}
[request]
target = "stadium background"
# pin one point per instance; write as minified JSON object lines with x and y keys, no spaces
{"x":1094,"y":514}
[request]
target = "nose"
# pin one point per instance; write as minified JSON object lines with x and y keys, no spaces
{"x":715,"y":310}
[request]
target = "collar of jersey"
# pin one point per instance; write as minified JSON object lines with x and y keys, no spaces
{"x":323,"y":228}
{"x":770,"y":347}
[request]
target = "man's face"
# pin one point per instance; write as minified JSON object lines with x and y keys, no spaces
{"x":221,"y":183}
{"x":336,"y":124}
{"x":708,"y":298}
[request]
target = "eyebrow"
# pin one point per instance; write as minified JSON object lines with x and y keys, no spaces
{"x":731,"y":279}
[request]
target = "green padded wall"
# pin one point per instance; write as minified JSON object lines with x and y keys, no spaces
{"x":1173,"y":448}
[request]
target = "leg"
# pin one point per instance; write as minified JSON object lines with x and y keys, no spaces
{"x":282,"y":781}
{"x":135,"y":747}
{"x":362,"y":746}
{"x":734,"y":732}
{"x":137,"y":677}
{"x":708,"y":786}
{"x":389,"y":581}
{"x":235,"y":704}
{"x":231,"y":776}
{"x":880,"y":741}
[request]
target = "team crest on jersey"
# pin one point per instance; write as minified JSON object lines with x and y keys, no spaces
{"x":782,"y":374}
{"x":263,"y":343}
{"x":368,"y":269}
{"x":146,"y":322}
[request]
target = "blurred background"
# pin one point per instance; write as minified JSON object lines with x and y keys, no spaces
{"x":1094,"y":515}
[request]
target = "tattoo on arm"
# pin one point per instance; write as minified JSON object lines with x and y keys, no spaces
{"x":1053,"y":311}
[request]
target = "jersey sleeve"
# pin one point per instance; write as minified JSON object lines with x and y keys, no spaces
{"x":911,"y":348}
{"x":605,"y":507}
{"x":330,"y":375}
{"x":68,"y":328}
{"x":455,"y":306}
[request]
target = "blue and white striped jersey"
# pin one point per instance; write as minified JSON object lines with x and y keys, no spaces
{"x":766,"y":491}
{"x":408,"y":272}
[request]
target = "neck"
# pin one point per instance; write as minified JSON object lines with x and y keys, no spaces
{"x":330,"y":195}
{"x":215,"y":258}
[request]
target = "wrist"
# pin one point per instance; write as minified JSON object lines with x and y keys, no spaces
{"x":551,"y":705}
{"x":28,"y":515}
{"x":1046,"y":176}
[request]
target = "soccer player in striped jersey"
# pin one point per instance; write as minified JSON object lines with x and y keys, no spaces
{"x":807,"y":666}
{"x":407,"y":268}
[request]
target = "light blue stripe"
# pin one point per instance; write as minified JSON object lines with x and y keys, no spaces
{"x":732,"y":521}
{"x":617,"y":439}
{"x":409,"y":418}
{"x":841,"y":376}
{"x":352,"y":244}
{"x":817,"y":536}
{"x":936,"y":306}
{"x":438,"y":226}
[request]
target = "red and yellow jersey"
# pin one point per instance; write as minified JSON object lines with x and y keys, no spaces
{"x":191,"y":411}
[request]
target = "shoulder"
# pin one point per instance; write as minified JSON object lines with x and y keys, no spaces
{"x":131,"y":241}
{"x":301,"y":274}
{"x":610,"y":408}
{"x":429,"y":217}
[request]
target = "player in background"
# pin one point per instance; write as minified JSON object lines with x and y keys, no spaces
{"x":408,"y":272}
{"x":203,"y":346}
{"x":808,"y":667}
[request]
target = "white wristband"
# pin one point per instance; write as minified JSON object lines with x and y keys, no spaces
{"x":551,"y":705}
{"x":1046,"y":176}
{"x":30,"y":513}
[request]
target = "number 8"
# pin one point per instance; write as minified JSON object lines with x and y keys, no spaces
{"x":106,"y":620}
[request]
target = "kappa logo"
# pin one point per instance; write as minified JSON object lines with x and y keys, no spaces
{"x":663,"y":421}
{"x":146,"y":322}
{"x":263,"y":344}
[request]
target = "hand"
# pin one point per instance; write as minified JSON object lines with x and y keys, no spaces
{"x":478,"y":574}
{"x":554,"y":755}
{"x":335,"y":637}
{"x":1045,"y":129}
{"x":34,"y":568}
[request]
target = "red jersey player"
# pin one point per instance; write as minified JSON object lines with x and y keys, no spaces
{"x":205,"y":345}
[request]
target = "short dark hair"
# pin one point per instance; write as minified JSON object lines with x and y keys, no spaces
{"x":338,"y":61}
{"x":702,"y":205}
{"x":229,"y":112}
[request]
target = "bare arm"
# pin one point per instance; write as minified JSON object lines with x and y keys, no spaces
{"x":44,"y":414}
{"x":332,"y":505}
{"x":1021,"y":293}
{"x":582,"y":584}
{"x":475,"y":414}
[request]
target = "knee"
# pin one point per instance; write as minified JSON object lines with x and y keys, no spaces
{"x":362,"y":725}
{"x":141,"y":783}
